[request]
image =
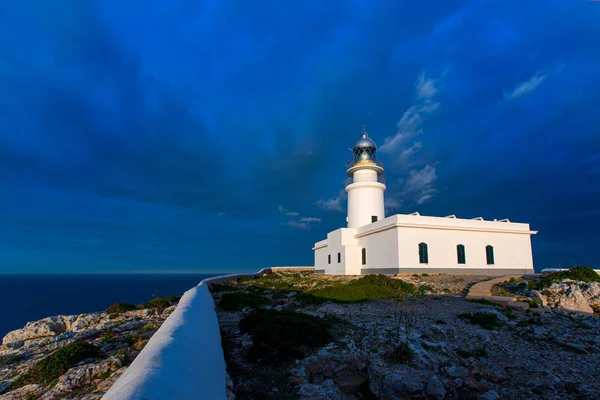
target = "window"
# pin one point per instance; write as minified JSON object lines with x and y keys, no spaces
{"x":489,"y":254}
{"x":373,"y":218}
{"x":328,"y":258}
{"x":423,"y":257}
{"x":460,"y":253}
{"x":364,"y":256}
{"x":339,"y":258}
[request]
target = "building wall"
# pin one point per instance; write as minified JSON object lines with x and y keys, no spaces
{"x":511,"y":250}
{"x":382,"y":249}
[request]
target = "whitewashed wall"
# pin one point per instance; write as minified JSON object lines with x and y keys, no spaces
{"x":184,"y":358}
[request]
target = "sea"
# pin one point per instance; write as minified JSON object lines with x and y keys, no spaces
{"x":26,"y":298}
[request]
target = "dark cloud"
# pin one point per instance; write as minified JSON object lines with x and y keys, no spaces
{"x":150,"y":136}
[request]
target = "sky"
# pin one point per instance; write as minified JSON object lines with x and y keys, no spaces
{"x":212,"y":136}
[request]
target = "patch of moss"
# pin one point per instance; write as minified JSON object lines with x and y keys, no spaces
{"x":48,"y":370}
{"x":238,"y":300}
{"x":118,"y":308}
{"x":281,"y":336}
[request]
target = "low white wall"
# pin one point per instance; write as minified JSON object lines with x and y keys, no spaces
{"x":184,"y":358}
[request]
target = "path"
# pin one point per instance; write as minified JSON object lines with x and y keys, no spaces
{"x":483,"y":291}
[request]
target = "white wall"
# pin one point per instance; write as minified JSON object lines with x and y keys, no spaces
{"x":183,"y":359}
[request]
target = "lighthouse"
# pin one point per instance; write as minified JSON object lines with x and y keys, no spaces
{"x":412,"y":243}
{"x":365,"y":185}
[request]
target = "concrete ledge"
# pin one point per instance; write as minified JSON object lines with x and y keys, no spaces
{"x":452,"y":271}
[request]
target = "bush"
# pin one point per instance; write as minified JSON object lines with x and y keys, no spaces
{"x":238,"y":300}
{"x":281,"y":336}
{"x":485,"y":320}
{"x":119,"y":308}
{"x":9,"y":359}
{"x":48,"y":370}
{"x":366,"y":288}
{"x":402,"y":353}
{"x":158,"y":302}
{"x":108,"y":337}
{"x":582,"y":274}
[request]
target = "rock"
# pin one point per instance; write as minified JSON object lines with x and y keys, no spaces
{"x":458,"y":372}
{"x":540,"y":331}
{"x":50,"y":326}
{"x":27,"y":391}
{"x":407,"y":385}
{"x":499,"y":315}
{"x":459,"y":382}
{"x":491,"y":395}
{"x":80,"y":376}
{"x":325,"y":391}
{"x":435,"y":388}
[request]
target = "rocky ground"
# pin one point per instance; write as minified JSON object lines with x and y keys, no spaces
{"x":76,"y":356}
{"x":457,"y":349}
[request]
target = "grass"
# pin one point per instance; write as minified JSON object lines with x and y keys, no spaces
{"x":118,"y":308}
{"x":366,"y":288}
{"x":485,"y":320}
{"x":282,"y":336}
{"x":47,"y":371}
{"x":148,"y":328}
{"x":402,"y":353}
{"x":237,"y":301}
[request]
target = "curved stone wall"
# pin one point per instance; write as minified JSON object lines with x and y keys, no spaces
{"x":184,"y":358}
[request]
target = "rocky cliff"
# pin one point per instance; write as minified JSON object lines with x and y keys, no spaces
{"x":75,"y":356}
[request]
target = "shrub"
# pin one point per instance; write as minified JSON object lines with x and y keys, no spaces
{"x":402,"y":353}
{"x":281,"y":336}
{"x":48,"y":370}
{"x":119,"y":308}
{"x":485,"y":320}
{"x":512,"y":280}
{"x":108,"y":337}
{"x":159,"y":302}
{"x":582,"y":274}
{"x":365,"y":288}
{"x":9,"y":359}
{"x":148,"y":328}
{"x":424,"y":274}
{"x":426,"y":288}
{"x":238,"y":300}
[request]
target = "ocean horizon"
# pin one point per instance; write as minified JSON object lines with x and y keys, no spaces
{"x":30,"y":297}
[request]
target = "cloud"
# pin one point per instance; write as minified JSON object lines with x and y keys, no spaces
{"x":425,"y":87}
{"x":292,"y":213}
{"x":420,"y":184}
{"x":526,"y":87}
{"x":333,"y":204}
{"x":298,"y":225}
{"x":310,"y":219}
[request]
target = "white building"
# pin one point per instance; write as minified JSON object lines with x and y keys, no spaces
{"x":411,"y":243}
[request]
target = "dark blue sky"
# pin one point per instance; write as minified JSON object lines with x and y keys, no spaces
{"x":212,"y":136}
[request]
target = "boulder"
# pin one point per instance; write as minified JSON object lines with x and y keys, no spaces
{"x":491,"y":395}
{"x":49,"y":326}
{"x":458,"y":372}
{"x":24,"y":392}
{"x":328,"y":390}
{"x":435,"y":388}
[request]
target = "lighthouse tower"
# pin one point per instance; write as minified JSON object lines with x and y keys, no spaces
{"x":365,"y":185}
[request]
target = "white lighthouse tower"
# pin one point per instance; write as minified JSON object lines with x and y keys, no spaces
{"x":365,"y":185}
